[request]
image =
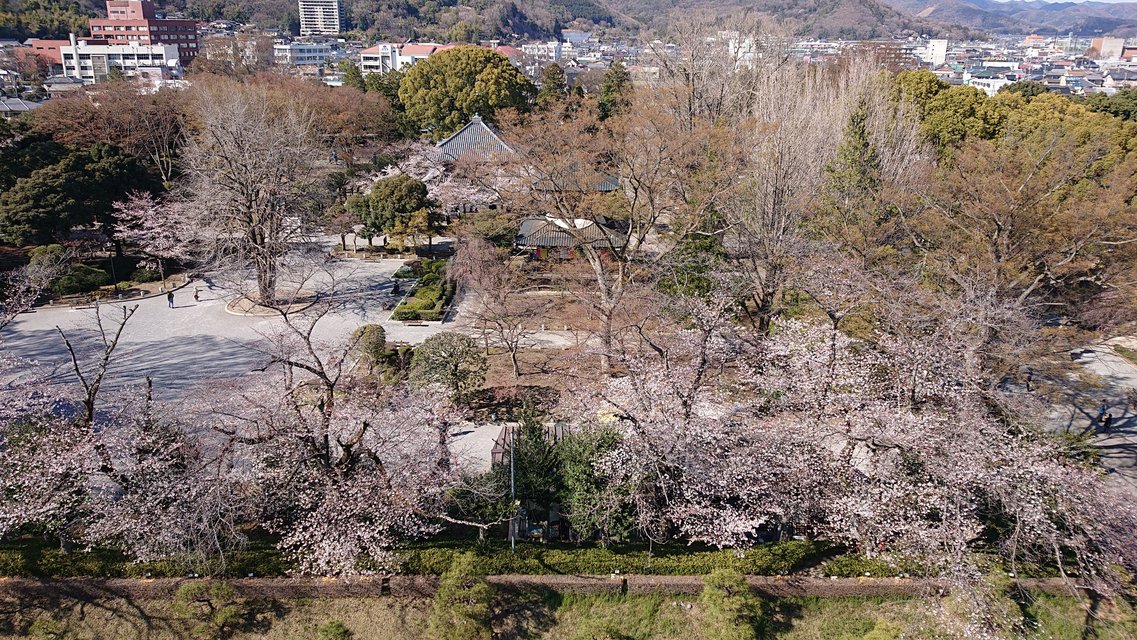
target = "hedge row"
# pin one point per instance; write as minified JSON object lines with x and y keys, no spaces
{"x":31,"y":559}
{"x":431,"y":295}
{"x":768,"y":559}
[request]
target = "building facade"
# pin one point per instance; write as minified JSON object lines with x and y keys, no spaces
{"x":91,"y":63}
{"x":135,"y":21}
{"x":319,"y":17}
{"x":387,"y":56}
{"x":295,"y":54}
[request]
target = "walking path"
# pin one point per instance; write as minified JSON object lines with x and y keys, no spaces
{"x":1118,"y":377}
{"x":195,"y":342}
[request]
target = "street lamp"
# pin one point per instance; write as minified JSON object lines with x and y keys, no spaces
{"x":110,"y":253}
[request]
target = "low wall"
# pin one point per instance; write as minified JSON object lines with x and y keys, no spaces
{"x":424,"y":586}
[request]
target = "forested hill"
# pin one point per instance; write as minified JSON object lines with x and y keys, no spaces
{"x":471,"y":20}
{"x":849,"y":19}
{"x":1024,"y":16}
{"x":45,"y":18}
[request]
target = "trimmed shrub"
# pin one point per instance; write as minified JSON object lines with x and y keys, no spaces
{"x":731,"y":610}
{"x":768,"y":559}
{"x":81,"y":279}
{"x":462,"y":604}
{"x":210,"y":606}
{"x":333,"y":630}
{"x":370,"y":342}
{"x":857,"y":565}
{"x":145,"y":275}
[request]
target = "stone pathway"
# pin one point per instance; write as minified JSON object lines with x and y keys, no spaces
{"x":1118,"y":378}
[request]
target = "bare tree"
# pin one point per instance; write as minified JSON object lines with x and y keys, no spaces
{"x":611,"y":186}
{"x":799,"y":113}
{"x":24,"y":286}
{"x":498,"y":297}
{"x":252,"y":172}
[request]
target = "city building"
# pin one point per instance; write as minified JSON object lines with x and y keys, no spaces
{"x":295,"y":54}
{"x":91,"y":63}
{"x":135,"y":21}
{"x":319,"y":17}
{"x":387,"y":56}
{"x":1106,"y":48}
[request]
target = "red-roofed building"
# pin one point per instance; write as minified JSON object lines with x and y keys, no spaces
{"x":389,"y":56}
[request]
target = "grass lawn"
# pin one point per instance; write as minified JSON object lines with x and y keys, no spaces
{"x":552,"y":615}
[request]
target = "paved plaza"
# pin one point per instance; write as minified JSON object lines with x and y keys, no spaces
{"x":196,"y":342}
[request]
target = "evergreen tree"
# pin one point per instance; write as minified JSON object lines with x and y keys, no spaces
{"x":553,"y":87}
{"x":462,"y":604}
{"x":615,"y":90}
{"x":352,"y":76}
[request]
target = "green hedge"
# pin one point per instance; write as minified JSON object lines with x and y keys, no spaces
{"x":33,"y":558}
{"x":857,"y":565}
{"x":530,"y":559}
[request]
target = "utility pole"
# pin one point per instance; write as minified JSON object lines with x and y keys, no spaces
{"x":512,"y":494}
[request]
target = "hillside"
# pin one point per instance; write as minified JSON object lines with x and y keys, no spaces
{"x":1023,"y":16}
{"x":849,"y":19}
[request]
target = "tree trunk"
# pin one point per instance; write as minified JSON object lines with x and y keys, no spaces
{"x":343,"y":241}
{"x":513,"y":359}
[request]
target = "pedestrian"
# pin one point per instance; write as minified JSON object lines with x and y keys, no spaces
{"x":1106,"y":421}
{"x":197,"y":294}
{"x":170,"y":299}
{"x":1029,"y":379}
{"x":1101,"y":411}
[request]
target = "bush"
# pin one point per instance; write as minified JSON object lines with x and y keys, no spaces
{"x":333,"y":630}
{"x":370,"y":342}
{"x":210,"y":606}
{"x":145,"y":275}
{"x":768,"y":559}
{"x":81,"y":279}
{"x":450,"y":359}
{"x":462,"y":604}
{"x":730,"y":608}
{"x":856,"y":565}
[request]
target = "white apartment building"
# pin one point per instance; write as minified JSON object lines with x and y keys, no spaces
{"x":934,"y":52}
{"x":295,"y":54}
{"x":92,"y":63}
{"x":319,"y":17}
{"x":387,"y":56}
{"x":551,"y":50}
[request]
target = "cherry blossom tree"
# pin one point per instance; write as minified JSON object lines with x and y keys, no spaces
{"x":162,"y":230}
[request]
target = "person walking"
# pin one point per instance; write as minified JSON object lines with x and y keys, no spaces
{"x":1106,"y":422}
{"x":170,"y":299}
{"x":197,"y":294}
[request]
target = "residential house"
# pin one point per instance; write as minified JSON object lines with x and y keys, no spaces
{"x":12,"y":107}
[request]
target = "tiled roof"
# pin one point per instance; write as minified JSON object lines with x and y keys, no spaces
{"x":476,"y":138}
{"x":16,"y":105}
{"x":541,"y":232}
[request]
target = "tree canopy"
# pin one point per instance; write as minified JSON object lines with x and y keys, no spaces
{"x":444,"y":91}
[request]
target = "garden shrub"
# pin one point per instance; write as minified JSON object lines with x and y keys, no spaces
{"x":333,"y":630}
{"x":370,"y":342}
{"x":145,"y":275}
{"x":731,"y":609}
{"x":768,"y":559}
{"x":857,"y":565}
{"x":461,"y":608}
{"x":210,"y":606}
{"x":81,"y":279}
